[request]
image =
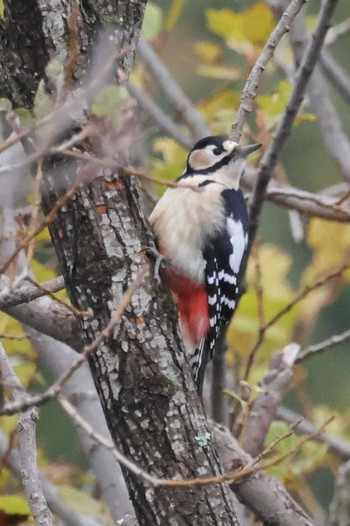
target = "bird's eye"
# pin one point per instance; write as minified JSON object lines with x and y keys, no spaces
{"x":217,"y":151}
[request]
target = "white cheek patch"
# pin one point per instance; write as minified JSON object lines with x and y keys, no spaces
{"x":200,"y":160}
{"x":239,"y":241}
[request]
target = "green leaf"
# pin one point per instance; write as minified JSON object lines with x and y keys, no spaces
{"x":5,"y":105}
{"x":153,"y":21}
{"x":43,"y":102}
{"x":25,"y":116}
{"x":55,"y":73}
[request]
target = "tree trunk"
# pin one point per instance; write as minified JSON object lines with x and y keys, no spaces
{"x":143,"y":380}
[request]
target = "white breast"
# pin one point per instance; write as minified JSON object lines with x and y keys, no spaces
{"x":182,"y":220}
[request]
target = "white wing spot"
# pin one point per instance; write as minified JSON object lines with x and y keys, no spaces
{"x":212,"y":299}
{"x":239,"y":241}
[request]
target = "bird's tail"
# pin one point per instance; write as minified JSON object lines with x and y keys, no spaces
{"x":198,"y":361}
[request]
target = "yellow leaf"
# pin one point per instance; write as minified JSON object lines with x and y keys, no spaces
{"x":277,"y":292}
{"x":14,"y":504}
{"x":10,"y":326}
{"x":251,"y":27}
{"x":330,"y":244}
{"x":171,"y":151}
{"x":219,"y":109}
{"x":207,"y":51}
{"x":174,"y":14}
{"x":44,"y":236}
{"x":219,"y":72}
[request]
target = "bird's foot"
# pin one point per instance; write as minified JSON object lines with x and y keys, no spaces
{"x":156,"y":259}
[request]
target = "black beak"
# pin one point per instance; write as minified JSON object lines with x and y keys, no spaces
{"x":244,"y":151}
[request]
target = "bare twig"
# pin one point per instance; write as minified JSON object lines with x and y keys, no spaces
{"x":334,"y":340}
{"x":333,"y":135}
{"x":47,"y":220}
{"x":11,"y":458}
{"x":232,"y":476}
{"x":263,"y":409}
{"x":337,"y":31}
{"x":336,"y":74}
{"x":48,"y":317}
{"x":325,"y":204}
{"x":337,"y":445}
{"x":284,"y":127}
{"x":47,"y":292}
{"x":265,"y":496}
{"x":27,"y":293}
{"x":81,"y":392}
{"x":249,"y":91}
{"x":55,"y":388}
{"x":314,"y":205}
{"x":167,"y":124}
{"x":337,"y":272}
{"x":26,"y":428}
{"x":183,"y":105}
{"x":340,"y":505}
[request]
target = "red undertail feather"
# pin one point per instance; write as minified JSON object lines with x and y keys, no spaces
{"x":192,"y":299}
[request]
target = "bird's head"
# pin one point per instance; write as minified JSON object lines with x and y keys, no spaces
{"x":211,"y":154}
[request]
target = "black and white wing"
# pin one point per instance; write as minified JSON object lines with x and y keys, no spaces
{"x":224,"y":256}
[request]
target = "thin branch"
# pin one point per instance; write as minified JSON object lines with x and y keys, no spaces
{"x":48,"y":317}
{"x":340,"y":505}
{"x":265,"y":496}
{"x":64,"y":304}
{"x":249,"y":90}
{"x":337,"y":272}
{"x":336,"y":74}
{"x":264,"y":408}
{"x":55,"y":388}
{"x":337,"y":445}
{"x":47,"y":220}
{"x":284,"y":127}
{"x":232,"y":476}
{"x":27,"y":293}
{"x":337,"y":31}
{"x":333,"y":134}
{"x":166,"y":123}
{"x":173,"y":92}
{"x":317,"y":348}
{"x":325,"y":204}
{"x":11,"y":459}
{"x":26,"y":428}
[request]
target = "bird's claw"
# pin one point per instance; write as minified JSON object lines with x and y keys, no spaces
{"x":156,"y":258}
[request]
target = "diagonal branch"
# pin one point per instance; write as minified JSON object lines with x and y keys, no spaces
{"x":26,"y":429}
{"x":283,"y":130}
{"x":173,"y":92}
{"x":249,"y":90}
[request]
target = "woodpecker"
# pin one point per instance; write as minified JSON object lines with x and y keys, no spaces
{"x":201,"y":230}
